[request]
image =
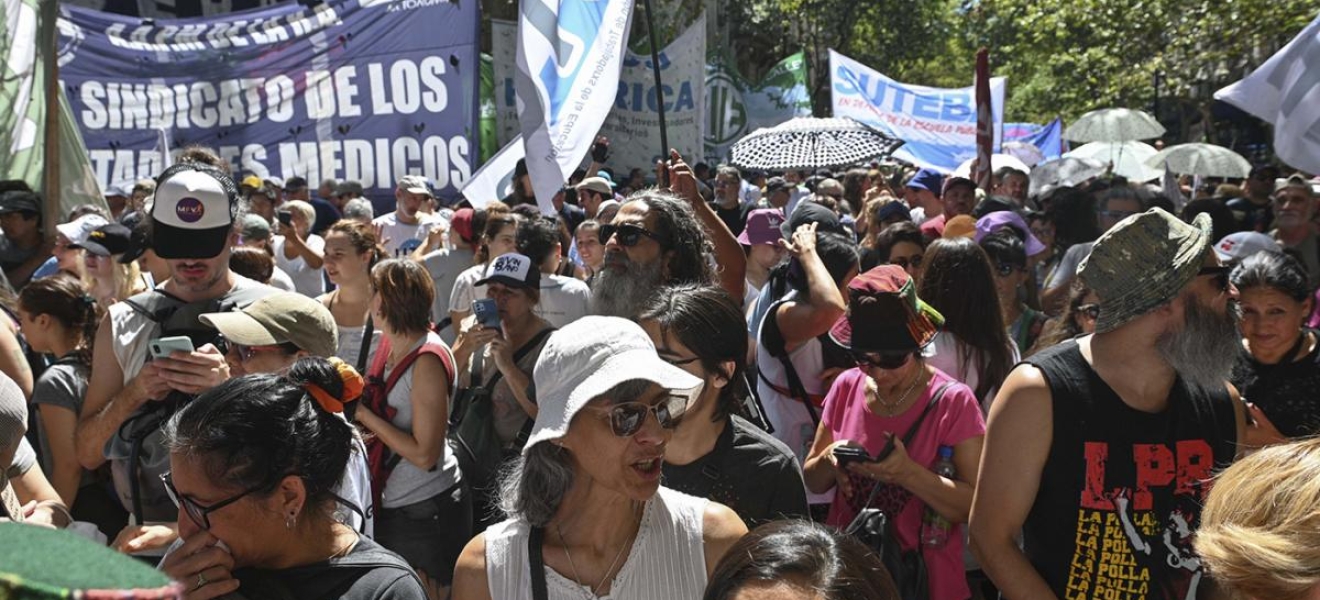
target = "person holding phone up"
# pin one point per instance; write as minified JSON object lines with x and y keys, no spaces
{"x":503,"y":338}
{"x":299,"y":252}
{"x":859,"y":444}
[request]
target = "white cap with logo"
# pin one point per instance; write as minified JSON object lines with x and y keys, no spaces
{"x":193,"y":213}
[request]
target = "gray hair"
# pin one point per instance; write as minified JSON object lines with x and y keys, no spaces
{"x":359,"y":209}
{"x":532,"y":486}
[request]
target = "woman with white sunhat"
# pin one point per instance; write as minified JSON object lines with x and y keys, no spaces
{"x":587,"y":515}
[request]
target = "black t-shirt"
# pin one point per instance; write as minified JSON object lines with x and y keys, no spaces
{"x":1251,"y":216}
{"x":735,"y":218}
{"x":749,"y":471}
{"x":1121,"y":493}
{"x":368,"y":572}
{"x":1285,"y":392}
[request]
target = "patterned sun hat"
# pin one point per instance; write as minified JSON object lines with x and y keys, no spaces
{"x":1144,"y":261}
{"x":35,"y":565}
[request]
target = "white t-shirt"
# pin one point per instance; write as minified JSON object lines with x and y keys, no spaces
{"x":401,"y":238}
{"x":466,"y":289}
{"x":281,"y":281}
{"x":445,"y":266}
{"x":563,"y":300}
{"x":943,"y":355}
{"x":306,"y":280}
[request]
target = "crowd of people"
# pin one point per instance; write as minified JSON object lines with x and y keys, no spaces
{"x":878,"y":383}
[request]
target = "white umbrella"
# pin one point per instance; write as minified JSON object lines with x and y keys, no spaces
{"x":1065,"y":171}
{"x":808,"y":142}
{"x":997,"y":162}
{"x":1026,"y":152}
{"x":1206,"y":160}
{"x":1126,"y":158}
{"x":1114,"y":125}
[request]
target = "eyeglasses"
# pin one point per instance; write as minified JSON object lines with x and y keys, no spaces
{"x":913,"y":261}
{"x":627,"y":418}
{"x":1005,"y":269}
{"x":1091,"y":311}
{"x":629,"y":235}
{"x":247,"y":353}
{"x":198,"y":513}
{"x":881,"y":360}
{"x":1220,"y":275}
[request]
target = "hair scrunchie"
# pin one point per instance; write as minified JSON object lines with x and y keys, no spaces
{"x":352,"y":384}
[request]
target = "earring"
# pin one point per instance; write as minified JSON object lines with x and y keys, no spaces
{"x":291,"y":521}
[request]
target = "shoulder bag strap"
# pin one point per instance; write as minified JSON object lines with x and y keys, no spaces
{"x":520,"y":354}
{"x":536,"y":562}
{"x":795,"y":386}
{"x":364,"y":350}
{"x":907,"y":436}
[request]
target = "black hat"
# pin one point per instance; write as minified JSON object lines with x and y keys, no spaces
{"x":775,"y":184}
{"x":108,"y":240}
{"x":294,"y":184}
{"x":20,"y":201}
{"x":811,"y":212}
{"x":140,"y":240}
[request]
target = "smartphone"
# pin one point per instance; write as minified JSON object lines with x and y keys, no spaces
{"x":850,"y":454}
{"x":285,"y":217}
{"x":488,"y":314}
{"x":163,"y":347}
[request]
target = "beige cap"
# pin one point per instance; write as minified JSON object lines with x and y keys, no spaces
{"x":596,"y":184}
{"x":415,"y":184}
{"x":277,"y":319}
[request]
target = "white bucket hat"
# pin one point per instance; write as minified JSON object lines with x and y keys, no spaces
{"x":589,"y":357}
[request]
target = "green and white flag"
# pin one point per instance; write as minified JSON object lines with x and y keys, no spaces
{"x":736,"y":107}
{"x":23,"y":112}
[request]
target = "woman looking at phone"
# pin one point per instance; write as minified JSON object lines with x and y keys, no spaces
{"x":507,"y":346}
{"x":873,"y":407}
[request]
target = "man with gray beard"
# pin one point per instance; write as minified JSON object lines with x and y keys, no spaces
{"x":1100,"y":451}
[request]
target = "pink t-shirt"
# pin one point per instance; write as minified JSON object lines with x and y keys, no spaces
{"x":956,"y":418}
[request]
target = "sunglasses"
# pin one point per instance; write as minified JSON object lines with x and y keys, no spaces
{"x":1220,"y":275}
{"x":247,"y":353}
{"x":629,"y":235}
{"x":198,"y":513}
{"x":881,"y":360}
{"x":1092,"y":311}
{"x":627,"y":418}
{"x":913,"y":261}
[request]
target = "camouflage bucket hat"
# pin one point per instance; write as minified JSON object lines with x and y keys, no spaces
{"x":1144,"y":261}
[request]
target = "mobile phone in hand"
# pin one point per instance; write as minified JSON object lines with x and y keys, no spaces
{"x":285,"y":217}
{"x":163,"y":347}
{"x":488,"y":314}
{"x":850,"y":454}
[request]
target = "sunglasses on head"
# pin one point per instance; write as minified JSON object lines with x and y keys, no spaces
{"x":1220,"y":275}
{"x":881,"y":360}
{"x":627,"y":418}
{"x":629,"y":235}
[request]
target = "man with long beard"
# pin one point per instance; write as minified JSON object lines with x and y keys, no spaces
{"x":1100,"y":450}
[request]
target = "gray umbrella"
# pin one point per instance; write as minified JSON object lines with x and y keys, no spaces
{"x":1114,"y":125}
{"x":809,"y":142}
{"x":1207,"y":160}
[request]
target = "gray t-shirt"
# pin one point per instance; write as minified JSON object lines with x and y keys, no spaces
{"x":1067,"y":268}
{"x":63,"y":385}
{"x":407,"y":483}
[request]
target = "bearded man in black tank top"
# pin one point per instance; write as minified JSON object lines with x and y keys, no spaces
{"x":1100,"y":451}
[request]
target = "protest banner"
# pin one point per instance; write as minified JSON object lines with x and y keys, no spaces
{"x":503,"y":54}
{"x":633,"y":124}
{"x":1285,"y":92}
{"x":938,"y":125}
{"x":736,"y":107}
{"x":368,"y":90}
{"x":494,"y":180}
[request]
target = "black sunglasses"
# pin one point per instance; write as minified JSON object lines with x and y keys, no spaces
{"x":1090,"y":310}
{"x":629,"y":235}
{"x":626,"y":418}
{"x":1220,"y":275}
{"x":198,"y":513}
{"x":881,"y":360}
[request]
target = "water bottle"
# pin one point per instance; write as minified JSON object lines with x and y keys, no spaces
{"x":934,"y":527}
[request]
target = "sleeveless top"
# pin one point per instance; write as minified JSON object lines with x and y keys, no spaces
{"x":409,"y":484}
{"x":667,"y":560}
{"x":1121,"y":493}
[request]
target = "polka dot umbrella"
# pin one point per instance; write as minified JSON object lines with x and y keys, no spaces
{"x":809,"y":143}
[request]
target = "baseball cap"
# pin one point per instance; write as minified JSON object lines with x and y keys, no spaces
{"x":1236,"y":247}
{"x":894,"y":208}
{"x":1295,"y":181}
{"x":77,"y":229}
{"x":107,"y":240}
{"x":140,"y":240}
{"x":295,"y":183}
{"x":775,"y":184}
{"x":415,"y":184}
{"x":461,"y":223}
{"x":762,"y":227}
{"x":193,"y":213}
{"x":954,"y":181}
{"x":599,"y":185}
{"x":514,"y":270}
{"x":254,"y":227}
{"x":929,"y":180}
{"x":811,"y":212}
{"x":885,"y":314}
{"x":252,"y":181}
{"x":348,"y":187}
{"x":587,"y":358}
{"x":1143,"y":262}
{"x":279,"y":318}
{"x":998,"y":220}
{"x":960,"y":226}
{"x":20,"y":200}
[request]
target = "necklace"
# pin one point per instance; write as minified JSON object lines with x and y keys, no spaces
{"x":595,"y":590}
{"x":890,"y":406}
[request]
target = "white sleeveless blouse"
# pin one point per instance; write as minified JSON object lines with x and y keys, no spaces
{"x":667,"y":561}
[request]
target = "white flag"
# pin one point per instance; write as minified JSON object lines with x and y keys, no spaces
{"x":495,"y":179}
{"x":569,"y":56}
{"x":1285,"y":91}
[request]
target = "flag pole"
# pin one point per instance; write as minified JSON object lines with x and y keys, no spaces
{"x":49,"y":11}
{"x":659,"y":91}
